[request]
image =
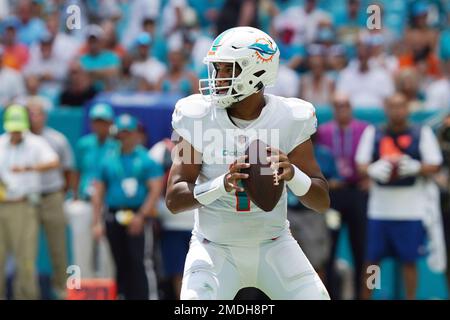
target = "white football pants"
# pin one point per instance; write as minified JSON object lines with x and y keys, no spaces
{"x":277,"y":267}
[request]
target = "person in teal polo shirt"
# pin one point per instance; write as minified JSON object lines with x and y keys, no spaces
{"x":101,"y":64}
{"x":93,"y":147}
{"x":93,"y":257}
{"x":129,"y":184}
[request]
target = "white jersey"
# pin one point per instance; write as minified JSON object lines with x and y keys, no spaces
{"x":284,"y":123}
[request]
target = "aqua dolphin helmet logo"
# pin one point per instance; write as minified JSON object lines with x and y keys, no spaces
{"x":217,"y":43}
{"x":264,"y":49}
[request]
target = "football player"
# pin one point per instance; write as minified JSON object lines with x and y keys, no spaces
{"x":234,"y":243}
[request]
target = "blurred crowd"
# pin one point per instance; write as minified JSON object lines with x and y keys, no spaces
{"x":52,"y":56}
{"x":158,"y":45}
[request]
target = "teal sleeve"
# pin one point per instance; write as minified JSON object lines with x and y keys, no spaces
{"x":114,"y":60}
{"x":153,"y":169}
{"x":444,"y":45}
{"x":102,"y":173}
{"x":299,"y":50}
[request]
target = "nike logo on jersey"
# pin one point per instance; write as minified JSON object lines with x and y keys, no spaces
{"x":234,"y":153}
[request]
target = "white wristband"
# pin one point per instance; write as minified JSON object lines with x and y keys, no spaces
{"x":210,"y":191}
{"x":300,"y":182}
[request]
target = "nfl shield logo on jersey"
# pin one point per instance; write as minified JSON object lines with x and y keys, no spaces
{"x":242,"y":139}
{"x":240,"y":143}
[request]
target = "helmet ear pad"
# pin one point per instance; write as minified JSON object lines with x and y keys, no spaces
{"x":252,"y":83}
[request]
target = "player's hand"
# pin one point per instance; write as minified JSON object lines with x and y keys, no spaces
{"x":408,"y":166}
{"x":279,"y":159}
{"x":136,"y":225}
{"x":380,"y":170}
{"x":233,"y":176}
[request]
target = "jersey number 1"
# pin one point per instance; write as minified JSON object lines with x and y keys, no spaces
{"x":242,"y":200}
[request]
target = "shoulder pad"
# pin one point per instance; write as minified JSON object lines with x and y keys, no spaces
{"x":301,"y":109}
{"x":302,"y":122}
{"x":193,"y":106}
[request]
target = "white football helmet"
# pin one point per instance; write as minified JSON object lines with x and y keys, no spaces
{"x":256,"y":54}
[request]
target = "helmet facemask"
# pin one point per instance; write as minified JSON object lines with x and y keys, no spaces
{"x":222,"y":94}
{"x":235,"y":90}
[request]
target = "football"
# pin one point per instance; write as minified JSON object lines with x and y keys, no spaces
{"x":262,"y":185}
